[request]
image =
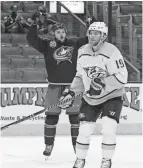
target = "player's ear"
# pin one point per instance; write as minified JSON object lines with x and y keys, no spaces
{"x":104,"y":37}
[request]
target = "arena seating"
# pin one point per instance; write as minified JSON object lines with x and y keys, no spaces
{"x":30,"y":7}
{"x":5,"y":64}
{"x":6,"y":40}
{"x":20,"y":62}
{"x":121,"y":2}
{"x":33,"y":75}
{"x":128,"y":19}
{"x":139,"y":50}
{"x":127,"y":9}
{"x":137,"y":44}
{"x":137,"y":19}
{"x":10,"y":51}
{"x":100,"y":11}
{"x":26,"y":15}
{"x":6,"y":6}
{"x":27,"y":51}
{"x":138,"y":29}
{"x":39,"y":63}
{"x":10,"y":76}
{"x":18,"y":40}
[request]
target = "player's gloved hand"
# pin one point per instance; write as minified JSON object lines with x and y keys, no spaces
{"x":27,"y":24}
{"x":30,"y":21}
{"x":42,"y":10}
{"x":35,"y":15}
{"x":96,"y":87}
{"x":67,"y":99}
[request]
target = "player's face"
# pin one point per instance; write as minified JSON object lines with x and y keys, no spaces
{"x":60,"y":34}
{"x":94,"y":37}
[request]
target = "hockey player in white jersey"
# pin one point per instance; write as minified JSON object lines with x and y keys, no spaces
{"x":101,"y":76}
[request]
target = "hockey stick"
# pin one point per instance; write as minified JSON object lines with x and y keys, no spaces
{"x":39,"y":112}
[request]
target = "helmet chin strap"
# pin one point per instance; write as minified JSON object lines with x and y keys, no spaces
{"x":98,"y":45}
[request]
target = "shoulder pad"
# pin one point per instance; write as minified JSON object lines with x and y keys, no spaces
{"x":81,"y":47}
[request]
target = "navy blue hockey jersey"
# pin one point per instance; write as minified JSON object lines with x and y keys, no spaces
{"x":60,"y":58}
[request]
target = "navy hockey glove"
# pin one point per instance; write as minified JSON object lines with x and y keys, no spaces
{"x":66,"y":100}
{"x":42,"y":10}
{"x":96,"y":87}
{"x":35,"y":15}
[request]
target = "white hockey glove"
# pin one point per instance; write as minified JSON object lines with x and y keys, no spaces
{"x":66,"y":100}
{"x":96,"y":87}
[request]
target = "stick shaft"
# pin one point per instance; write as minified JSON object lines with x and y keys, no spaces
{"x":23,"y":119}
{"x":35,"y":114}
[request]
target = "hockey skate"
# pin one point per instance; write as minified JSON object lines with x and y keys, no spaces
{"x":106,"y":163}
{"x":47,"y":151}
{"x":79,"y":163}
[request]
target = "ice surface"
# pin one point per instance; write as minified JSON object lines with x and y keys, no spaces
{"x":26,"y":152}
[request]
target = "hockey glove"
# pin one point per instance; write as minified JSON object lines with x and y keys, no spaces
{"x":66,"y":100}
{"x":96,"y":87}
{"x":35,"y":15}
{"x":33,"y":20}
{"x":42,"y":10}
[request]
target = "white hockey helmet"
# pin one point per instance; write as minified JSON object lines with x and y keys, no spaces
{"x":98,"y":26}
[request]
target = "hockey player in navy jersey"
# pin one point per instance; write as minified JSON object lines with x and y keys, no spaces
{"x":60,"y":56}
{"x":101,"y":76}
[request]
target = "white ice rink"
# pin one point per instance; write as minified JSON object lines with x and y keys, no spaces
{"x":26,"y":152}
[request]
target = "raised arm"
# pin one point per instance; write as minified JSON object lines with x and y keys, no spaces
{"x":34,"y":40}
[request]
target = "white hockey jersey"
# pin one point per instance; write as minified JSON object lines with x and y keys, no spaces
{"x":106,"y":64}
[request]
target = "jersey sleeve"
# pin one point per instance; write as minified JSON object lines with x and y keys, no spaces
{"x":77,"y":84}
{"x":117,"y":70}
{"x":34,"y":40}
